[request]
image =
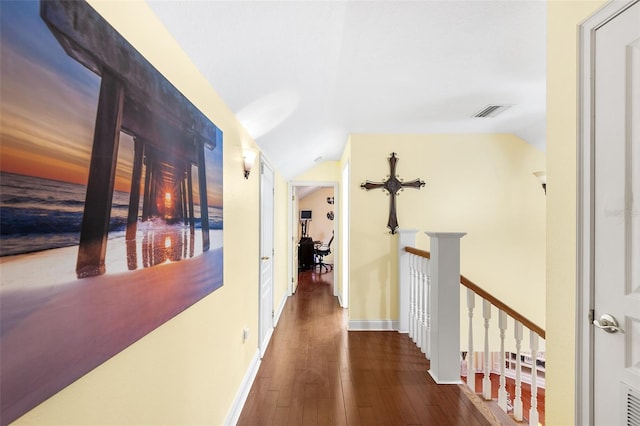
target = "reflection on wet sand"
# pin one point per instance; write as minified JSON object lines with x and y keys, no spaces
{"x":160,"y":243}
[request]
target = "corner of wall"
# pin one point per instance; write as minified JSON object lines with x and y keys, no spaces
{"x":563,"y":19}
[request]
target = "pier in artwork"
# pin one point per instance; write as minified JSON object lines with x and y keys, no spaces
{"x":170,"y":135}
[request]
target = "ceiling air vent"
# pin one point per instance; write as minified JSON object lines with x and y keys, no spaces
{"x":491,"y":111}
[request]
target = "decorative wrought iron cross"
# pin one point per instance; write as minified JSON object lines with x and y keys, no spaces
{"x":392,"y":186}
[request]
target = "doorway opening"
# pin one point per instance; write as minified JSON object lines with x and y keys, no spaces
{"x":314,"y":230}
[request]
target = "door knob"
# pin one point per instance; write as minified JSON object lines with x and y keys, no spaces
{"x":264,"y":258}
{"x":608,"y":323}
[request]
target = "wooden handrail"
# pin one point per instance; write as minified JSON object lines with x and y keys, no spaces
{"x":487,"y":296}
{"x":417,"y":252}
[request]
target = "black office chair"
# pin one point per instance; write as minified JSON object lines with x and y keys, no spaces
{"x":321,"y":251}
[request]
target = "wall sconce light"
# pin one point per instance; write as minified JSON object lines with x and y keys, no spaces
{"x":248,"y":158}
{"x":542,"y":178}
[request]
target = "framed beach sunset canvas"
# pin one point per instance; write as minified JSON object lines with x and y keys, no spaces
{"x":111,"y":199}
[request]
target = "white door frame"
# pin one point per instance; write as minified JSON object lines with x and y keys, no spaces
{"x":293,"y":225}
{"x":263,"y":341}
{"x":344,"y":234}
{"x":292,"y":228}
{"x":585,"y":211}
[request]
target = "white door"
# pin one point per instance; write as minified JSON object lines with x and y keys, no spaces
{"x":266,"y":256}
{"x":616,"y":214}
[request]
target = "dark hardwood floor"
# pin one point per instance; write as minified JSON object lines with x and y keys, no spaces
{"x":315,"y":372}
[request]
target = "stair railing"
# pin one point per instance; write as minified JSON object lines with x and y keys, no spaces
{"x":421,"y":282}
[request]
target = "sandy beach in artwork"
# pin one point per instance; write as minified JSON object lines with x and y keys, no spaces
{"x":56,"y":267}
{"x":55,"y":327}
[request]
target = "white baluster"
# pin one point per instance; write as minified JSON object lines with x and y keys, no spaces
{"x":418,"y":291}
{"x":502,"y":390}
{"x":517,"y":403}
{"x":533,"y":412}
{"x":416,"y":299}
{"x":416,"y":313}
{"x":471,"y":369}
{"x":427,"y":309}
{"x":423,"y":303}
{"x":486,"y":381}
{"x":419,"y":304}
{"x":406,"y":238}
{"x":412,"y":298}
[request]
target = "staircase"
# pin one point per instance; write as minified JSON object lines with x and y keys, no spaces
{"x":430,"y":287}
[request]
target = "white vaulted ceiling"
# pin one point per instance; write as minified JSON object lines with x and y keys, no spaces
{"x":302,"y":75}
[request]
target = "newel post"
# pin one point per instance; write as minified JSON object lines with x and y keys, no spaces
{"x":406,"y":238}
{"x":445,"y":306}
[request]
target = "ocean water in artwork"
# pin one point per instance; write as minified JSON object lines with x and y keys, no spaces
{"x":39,"y":214}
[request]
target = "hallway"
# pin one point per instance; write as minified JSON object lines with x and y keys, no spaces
{"x":316,"y":373}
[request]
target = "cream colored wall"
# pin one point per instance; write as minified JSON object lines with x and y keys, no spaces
{"x":482,"y":184}
{"x":188,"y":370}
{"x":327,"y":171}
{"x":563,"y":17}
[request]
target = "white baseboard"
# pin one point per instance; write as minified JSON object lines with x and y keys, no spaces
{"x":280,"y":309}
{"x":265,"y":342}
{"x":373,"y":325}
{"x":443,"y":382}
{"x":243,"y":391}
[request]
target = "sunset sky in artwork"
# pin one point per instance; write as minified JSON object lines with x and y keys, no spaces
{"x":48,"y":104}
